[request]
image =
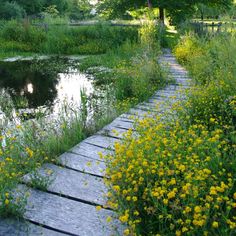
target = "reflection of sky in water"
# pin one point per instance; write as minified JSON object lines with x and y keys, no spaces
{"x":30,"y":88}
{"x":44,"y":87}
{"x":69,"y":87}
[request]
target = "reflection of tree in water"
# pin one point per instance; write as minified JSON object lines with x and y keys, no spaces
{"x":36,"y":81}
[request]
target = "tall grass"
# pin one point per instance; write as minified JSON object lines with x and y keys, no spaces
{"x":132,"y":69}
{"x":62,"y":39}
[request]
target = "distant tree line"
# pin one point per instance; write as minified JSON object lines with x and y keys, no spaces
{"x":75,"y":9}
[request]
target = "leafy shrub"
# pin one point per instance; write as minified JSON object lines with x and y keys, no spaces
{"x":58,"y":44}
{"x":92,"y":47}
{"x":12,"y":31}
{"x":13,"y":46}
{"x":208,"y":106}
{"x":212,"y":66}
{"x":141,"y":76}
{"x":34,"y":37}
{"x":171,"y":178}
{"x":188,"y":47}
{"x":11,"y":10}
{"x":18,"y":34}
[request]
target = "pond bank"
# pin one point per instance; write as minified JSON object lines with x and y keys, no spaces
{"x":76,"y":193}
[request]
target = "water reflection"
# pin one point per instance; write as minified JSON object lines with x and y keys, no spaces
{"x":43,"y":83}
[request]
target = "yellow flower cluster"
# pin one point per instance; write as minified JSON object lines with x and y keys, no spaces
{"x":17,"y":159}
{"x":171,"y":178}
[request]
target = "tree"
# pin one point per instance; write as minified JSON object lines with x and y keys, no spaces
{"x":176,"y":9}
{"x":61,"y":5}
{"x":11,"y":10}
{"x":31,"y":7}
{"x":80,"y":9}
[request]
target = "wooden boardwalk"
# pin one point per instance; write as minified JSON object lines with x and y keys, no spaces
{"x":68,"y":206}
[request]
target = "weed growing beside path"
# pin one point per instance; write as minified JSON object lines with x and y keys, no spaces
{"x":177,"y":177}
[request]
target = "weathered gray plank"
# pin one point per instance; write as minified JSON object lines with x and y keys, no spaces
{"x":147,"y":108}
{"x":166,"y":93}
{"x":132,"y":117}
{"x":112,"y":131}
{"x":174,"y":87}
{"x":142,"y":113}
{"x":101,"y":141}
{"x":13,"y":227}
{"x":125,"y":118}
{"x":67,"y":215}
{"x":118,"y":123}
{"x":83,"y":164}
{"x":183,"y":81}
{"x":73,"y":184}
{"x":169,"y":97}
{"x":89,"y":150}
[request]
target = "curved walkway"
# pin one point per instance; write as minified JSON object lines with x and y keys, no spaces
{"x":68,"y":206}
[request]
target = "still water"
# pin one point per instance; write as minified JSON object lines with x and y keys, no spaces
{"x":44,"y":85}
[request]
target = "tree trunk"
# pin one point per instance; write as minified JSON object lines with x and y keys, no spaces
{"x":202,"y":15}
{"x":149,"y":4}
{"x":162,"y":15}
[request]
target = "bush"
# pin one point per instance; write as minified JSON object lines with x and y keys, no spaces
{"x":11,"y":10}
{"x":212,"y":65}
{"x":19,"y":34}
{"x":58,"y":42}
{"x":12,"y":46}
{"x":173,"y":179}
{"x":208,"y":59}
{"x":189,"y":47}
{"x":13,"y":31}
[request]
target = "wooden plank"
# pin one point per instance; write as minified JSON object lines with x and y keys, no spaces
{"x":122,"y":124}
{"x":142,"y":113}
{"x":132,"y":117}
{"x":147,"y":108}
{"x":73,"y":184}
{"x":165,"y":93}
{"x":83,"y":164}
{"x":112,"y":131}
{"x":68,"y":215}
{"x":13,"y":227}
{"x":101,"y":141}
{"x":178,"y":73}
{"x":90,"y":151}
{"x":125,"y":118}
{"x":167,"y":99}
{"x":174,"y":87}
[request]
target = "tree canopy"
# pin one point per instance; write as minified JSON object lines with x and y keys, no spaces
{"x":118,"y":8}
{"x":18,"y":8}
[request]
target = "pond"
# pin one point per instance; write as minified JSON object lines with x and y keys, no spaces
{"x":42,"y":86}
